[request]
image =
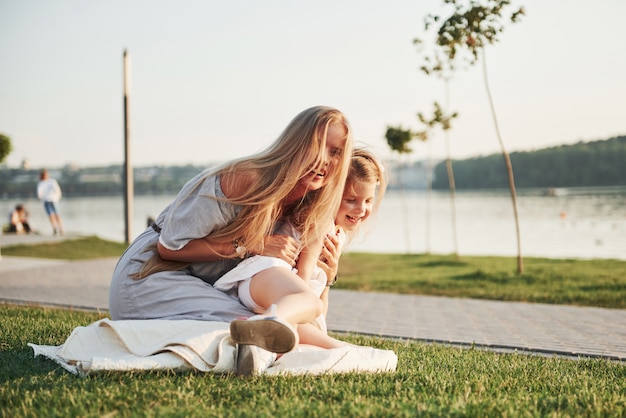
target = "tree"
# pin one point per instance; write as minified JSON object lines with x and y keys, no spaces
{"x":460,"y":39}
{"x":5,"y":150}
{"x":398,"y":140}
{"x":5,"y":147}
{"x":444,"y":121}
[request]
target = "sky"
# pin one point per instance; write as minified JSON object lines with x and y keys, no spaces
{"x":216,"y":80}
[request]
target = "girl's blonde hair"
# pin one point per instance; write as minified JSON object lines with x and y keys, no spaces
{"x":276,"y":171}
{"x":365,"y":167}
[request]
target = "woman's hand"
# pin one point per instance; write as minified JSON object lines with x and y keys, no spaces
{"x":283,"y":247}
{"x":329,"y":257}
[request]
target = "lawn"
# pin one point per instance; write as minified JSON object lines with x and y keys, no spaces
{"x":600,"y":283}
{"x":431,"y":380}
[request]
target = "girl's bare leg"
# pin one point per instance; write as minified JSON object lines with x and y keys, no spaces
{"x":285,"y":297}
{"x":294,"y":301}
{"x":312,"y":335}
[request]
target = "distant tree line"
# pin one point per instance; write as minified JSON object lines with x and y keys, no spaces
{"x":97,"y":181}
{"x":598,"y":163}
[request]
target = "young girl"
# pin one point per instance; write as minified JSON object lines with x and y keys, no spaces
{"x":364,"y":188}
{"x":230,"y":212}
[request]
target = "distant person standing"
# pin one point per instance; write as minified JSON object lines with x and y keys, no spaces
{"x":49,"y":191}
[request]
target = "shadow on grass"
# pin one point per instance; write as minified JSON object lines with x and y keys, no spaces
{"x":442,"y":263}
{"x":604,"y":287}
{"x":495,"y":278}
{"x":24,"y":365}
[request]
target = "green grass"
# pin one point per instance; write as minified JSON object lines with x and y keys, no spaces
{"x":431,"y":380}
{"x":70,"y":249}
{"x":600,"y":283}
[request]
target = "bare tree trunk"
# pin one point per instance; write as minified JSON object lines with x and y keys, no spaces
{"x":405,"y":211}
{"x":450,"y":172}
{"x":429,"y":190}
{"x":128,"y":168}
{"x":509,"y":167}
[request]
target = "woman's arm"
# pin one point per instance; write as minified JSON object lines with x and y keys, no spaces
{"x":199,"y":250}
{"x":205,"y":249}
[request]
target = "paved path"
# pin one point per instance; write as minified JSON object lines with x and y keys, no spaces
{"x":502,"y":326}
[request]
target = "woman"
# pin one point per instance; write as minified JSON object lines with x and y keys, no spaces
{"x":227,"y":213}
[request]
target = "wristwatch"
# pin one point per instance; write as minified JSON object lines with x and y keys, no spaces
{"x":240,"y":249}
{"x":333,"y":281}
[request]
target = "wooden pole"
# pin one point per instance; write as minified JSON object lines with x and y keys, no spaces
{"x":128,"y":170}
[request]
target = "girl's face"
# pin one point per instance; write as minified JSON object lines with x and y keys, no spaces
{"x":356,"y":204}
{"x":319,"y":176}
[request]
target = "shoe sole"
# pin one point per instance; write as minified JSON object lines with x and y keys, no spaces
{"x":268,"y":334}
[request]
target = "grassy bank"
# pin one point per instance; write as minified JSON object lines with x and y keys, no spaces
{"x":69,"y":249}
{"x":600,"y":283}
{"x":431,"y":380}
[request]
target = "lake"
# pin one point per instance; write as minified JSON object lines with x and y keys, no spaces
{"x":570,"y":223}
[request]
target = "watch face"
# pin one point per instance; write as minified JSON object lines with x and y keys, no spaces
{"x":240,"y":250}
{"x":333,"y":281}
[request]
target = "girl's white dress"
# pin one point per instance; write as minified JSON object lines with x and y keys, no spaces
{"x":236,"y":281}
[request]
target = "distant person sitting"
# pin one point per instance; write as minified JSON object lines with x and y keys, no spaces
{"x":49,"y":191}
{"x":19,"y":221}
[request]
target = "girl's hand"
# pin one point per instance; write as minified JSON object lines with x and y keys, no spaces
{"x":329,"y":257}
{"x":283,"y":247}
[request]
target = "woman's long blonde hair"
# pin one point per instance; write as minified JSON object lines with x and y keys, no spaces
{"x":300,"y":149}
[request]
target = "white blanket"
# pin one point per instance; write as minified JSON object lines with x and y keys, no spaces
{"x":200,"y":345}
